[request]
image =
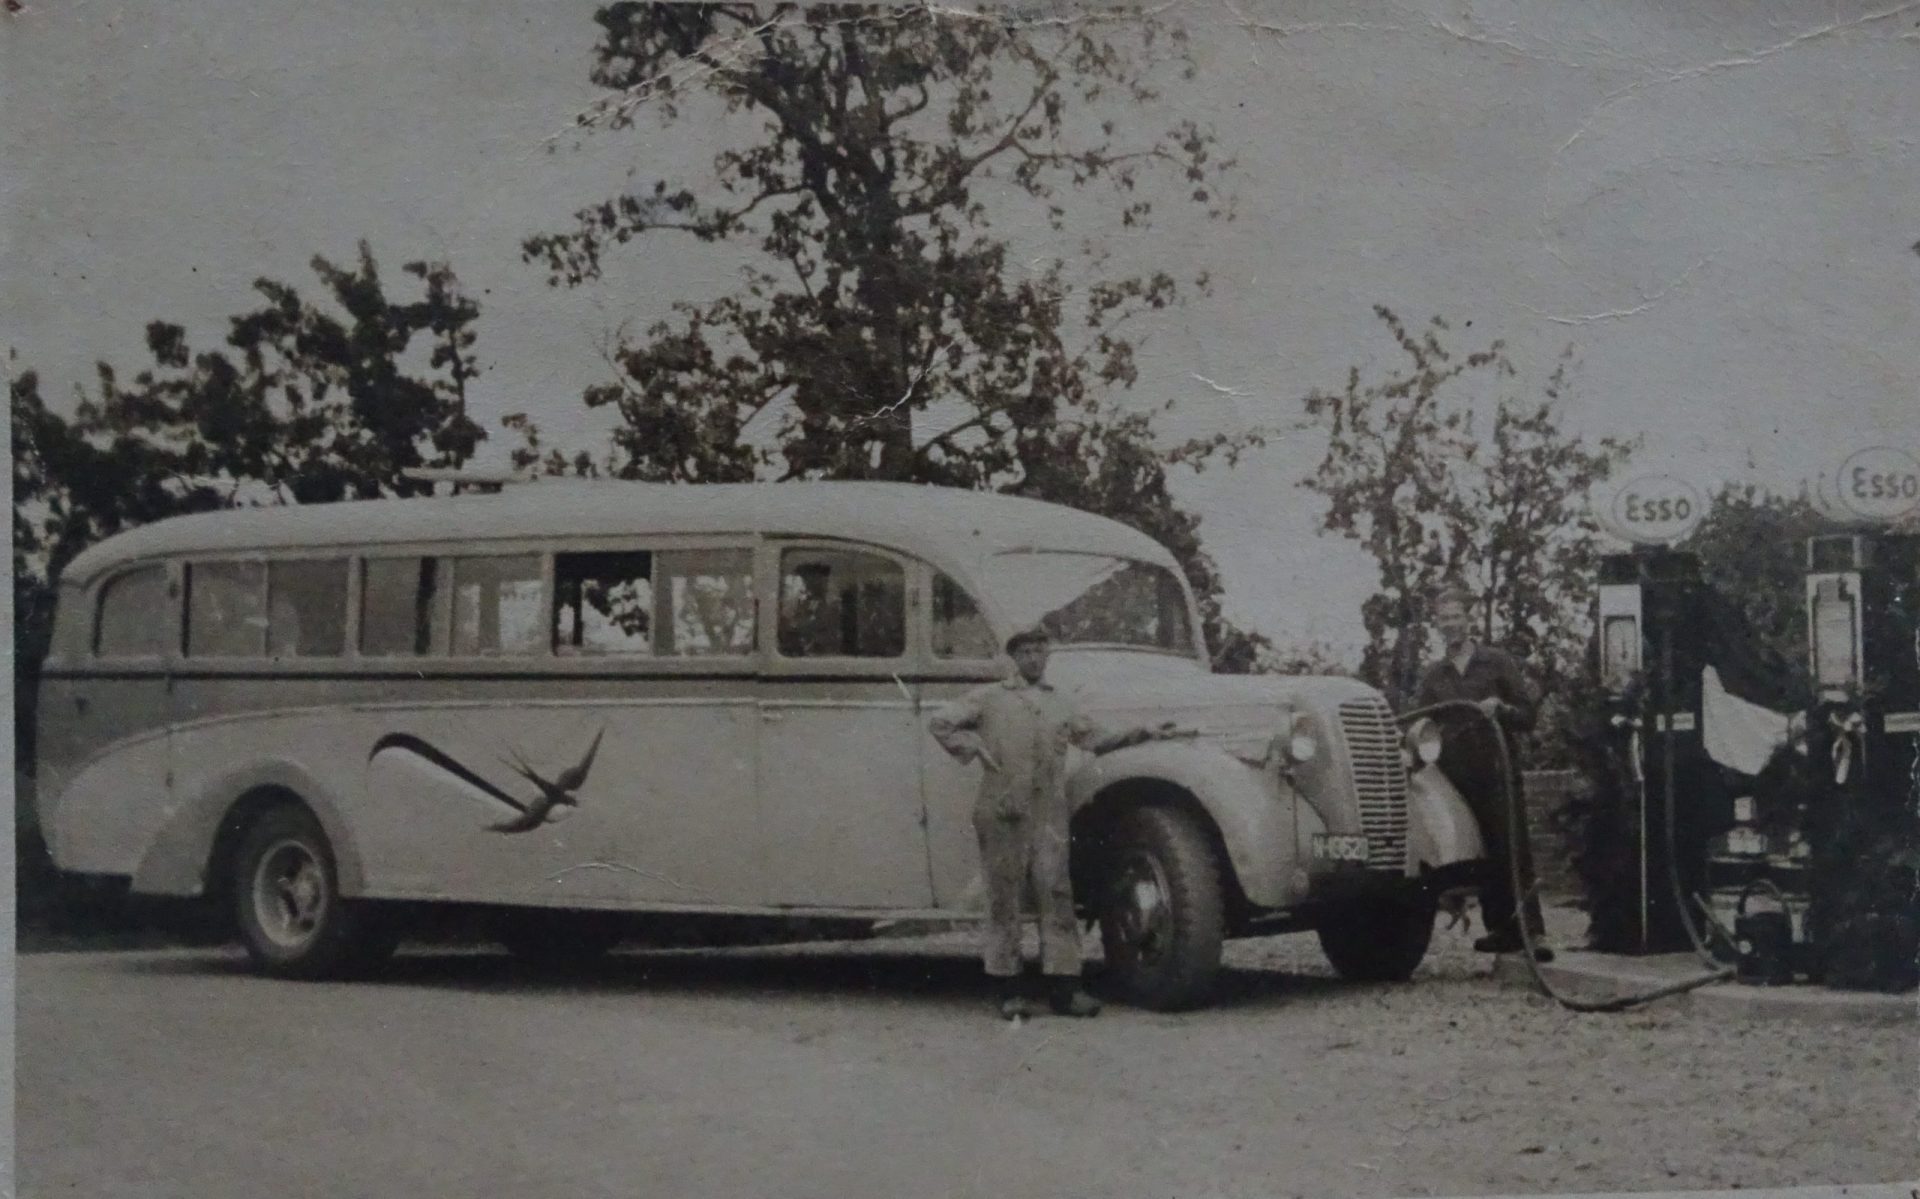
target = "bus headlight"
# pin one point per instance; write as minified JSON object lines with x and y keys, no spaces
{"x":1421,"y":744}
{"x":1302,"y":745}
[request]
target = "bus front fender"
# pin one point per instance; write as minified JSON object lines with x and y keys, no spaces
{"x":180,"y":859}
{"x":1253,"y":812}
{"x":1441,"y":827}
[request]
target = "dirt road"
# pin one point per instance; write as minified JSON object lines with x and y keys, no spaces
{"x":875,"y":1070}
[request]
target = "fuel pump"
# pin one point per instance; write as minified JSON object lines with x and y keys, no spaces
{"x":1651,"y":650}
{"x":1863,"y":604}
{"x":1863,"y":633}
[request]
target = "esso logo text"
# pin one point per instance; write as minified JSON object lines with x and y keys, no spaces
{"x":1880,"y":483}
{"x":1656,"y":509}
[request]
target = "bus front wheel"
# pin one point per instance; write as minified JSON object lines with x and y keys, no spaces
{"x":1379,"y":940}
{"x":1161,"y":909}
{"x":293,"y":920}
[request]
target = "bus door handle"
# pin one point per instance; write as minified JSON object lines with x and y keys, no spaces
{"x":772,"y":716}
{"x":80,"y":704}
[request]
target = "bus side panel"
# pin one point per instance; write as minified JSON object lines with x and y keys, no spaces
{"x":502,"y":796}
{"x":609,"y":803}
{"x":949,"y":791}
{"x":387,"y":786}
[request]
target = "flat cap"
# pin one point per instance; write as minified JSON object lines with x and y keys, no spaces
{"x":1027,"y":636}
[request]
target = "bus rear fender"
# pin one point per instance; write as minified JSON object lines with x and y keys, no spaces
{"x":198,"y":839}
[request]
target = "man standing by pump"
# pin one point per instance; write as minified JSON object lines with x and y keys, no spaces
{"x":1019,"y":729}
{"x":1470,"y":758}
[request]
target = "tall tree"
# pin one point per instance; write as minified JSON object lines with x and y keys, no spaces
{"x":1406,"y":476}
{"x":45,"y":449}
{"x":884,"y":327}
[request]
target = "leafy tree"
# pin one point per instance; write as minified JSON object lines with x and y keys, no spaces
{"x":44,"y":449}
{"x":885,"y":328}
{"x":313,"y":403}
{"x":1406,"y":476}
{"x":1752,"y":545}
{"x":309,"y":402}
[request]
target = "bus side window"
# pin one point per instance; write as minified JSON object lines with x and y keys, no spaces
{"x":704,"y":603}
{"x":131,"y":620}
{"x":399,"y":607}
{"x":498,"y":606}
{"x":307,"y":608}
{"x":226,"y":609}
{"x":603,"y":603}
{"x":841,"y":603}
{"x":959,"y":630}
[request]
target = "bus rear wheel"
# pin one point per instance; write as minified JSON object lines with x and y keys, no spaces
{"x":293,"y":920}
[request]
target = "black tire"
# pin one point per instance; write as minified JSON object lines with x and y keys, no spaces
{"x":1161,"y":909}
{"x":1378,"y":940}
{"x":559,"y":940}
{"x":292,"y":918}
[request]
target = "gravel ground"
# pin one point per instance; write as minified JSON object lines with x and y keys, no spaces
{"x":876,"y":1070}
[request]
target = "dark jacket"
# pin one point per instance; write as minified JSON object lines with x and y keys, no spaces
{"x":1470,"y":756}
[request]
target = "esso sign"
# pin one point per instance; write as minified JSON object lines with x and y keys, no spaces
{"x":1879,"y":483}
{"x":1656,"y":509}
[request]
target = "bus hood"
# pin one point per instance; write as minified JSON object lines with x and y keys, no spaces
{"x":1124,"y":688}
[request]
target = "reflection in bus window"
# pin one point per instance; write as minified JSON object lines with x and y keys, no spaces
{"x":399,"y":609}
{"x":497,"y":606}
{"x":1091,"y":599}
{"x":307,"y":608}
{"x":841,"y":603}
{"x":226,"y":609}
{"x":133,"y":615}
{"x":603,"y":603}
{"x":708,"y":596}
{"x":959,"y":630}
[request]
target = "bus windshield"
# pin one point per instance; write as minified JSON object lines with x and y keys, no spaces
{"x":1092,"y":599}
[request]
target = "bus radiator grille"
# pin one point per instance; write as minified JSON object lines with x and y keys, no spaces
{"x":1379,"y":780}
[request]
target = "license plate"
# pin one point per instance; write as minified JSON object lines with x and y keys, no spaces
{"x":1339,"y":847}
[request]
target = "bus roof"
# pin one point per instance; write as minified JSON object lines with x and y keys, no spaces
{"x":953,"y":528}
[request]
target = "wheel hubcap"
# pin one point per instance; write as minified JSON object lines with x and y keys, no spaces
{"x":1141,"y":919}
{"x":289,"y":894}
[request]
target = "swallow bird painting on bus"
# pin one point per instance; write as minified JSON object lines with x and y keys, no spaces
{"x":560,"y":791}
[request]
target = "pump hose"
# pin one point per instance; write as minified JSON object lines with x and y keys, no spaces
{"x":1701,"y":949}
{"x":1523,"y":889}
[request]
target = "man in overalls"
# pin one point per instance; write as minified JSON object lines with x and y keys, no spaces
{"x":1469,"y":757}
{"x":1019,"y":729}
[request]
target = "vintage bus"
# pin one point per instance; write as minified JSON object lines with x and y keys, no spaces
{"x":610,"y":701}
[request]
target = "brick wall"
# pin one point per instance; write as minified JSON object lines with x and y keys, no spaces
{"x":1547,"y":795}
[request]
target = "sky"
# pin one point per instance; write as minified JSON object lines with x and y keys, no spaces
{"x":1709,"y":206}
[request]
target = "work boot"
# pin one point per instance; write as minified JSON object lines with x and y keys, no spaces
{"x":1067,"y":999}
{"x":1510,"y":942}
{"x":1012,"y":1001}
